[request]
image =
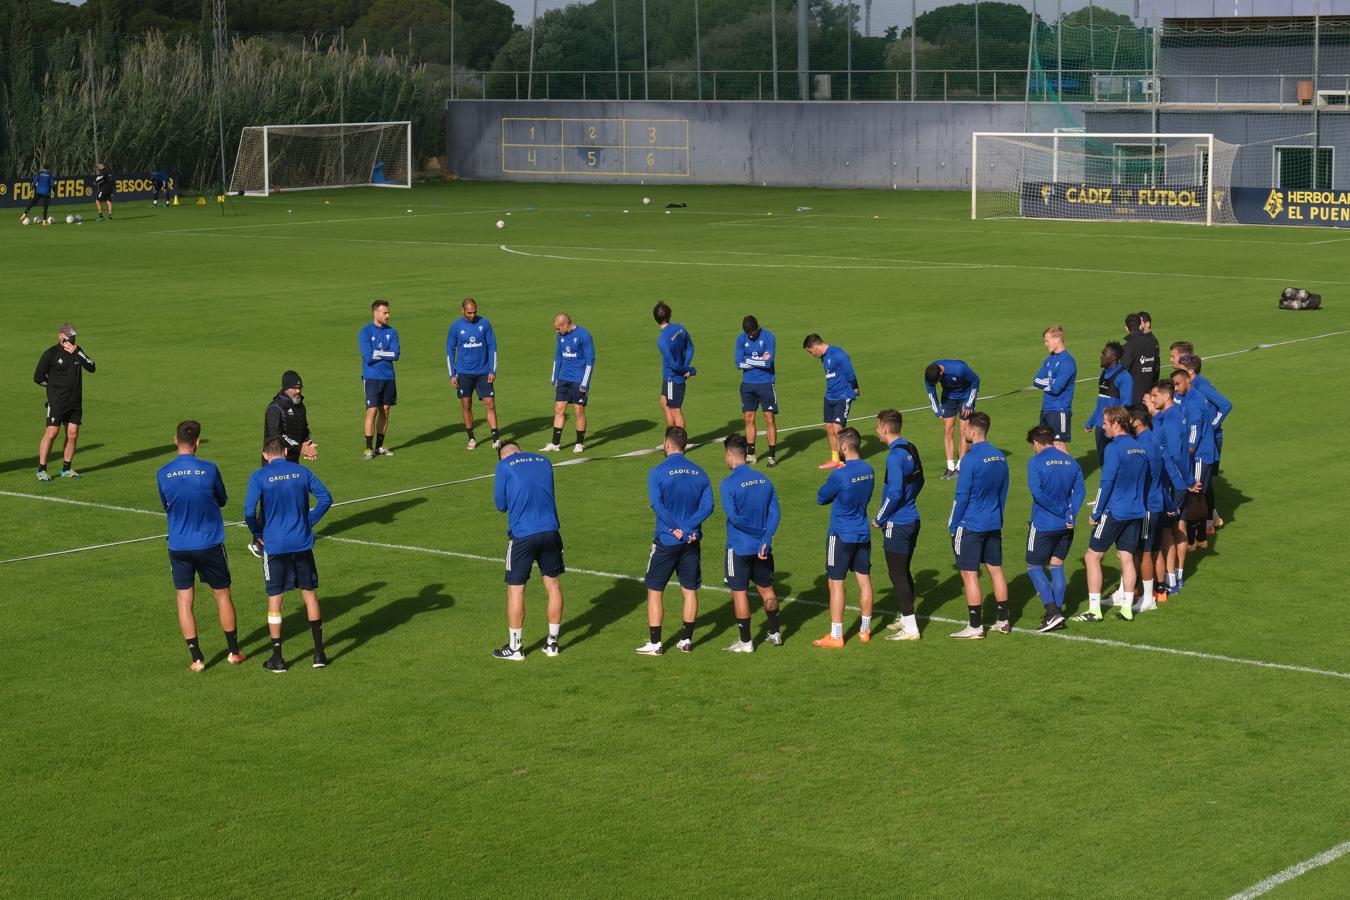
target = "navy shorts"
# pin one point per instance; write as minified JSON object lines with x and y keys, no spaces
{"x":836,"y":411}
{"x":1123,"y":533}
{"x":465,"y":385}
{"x":380,"y":392}
{"x":1042,"y":546}
{"x":210,"y":564}
{"x":545,"y":548}
{"x":951,"y":407}
{"x":900,"y":538}
{"x":284,"y":572}
{"x":673,"y":393}
{"x":570,"y":392}
{"x":1060,"y":422}
{"x":759,"y":396}
{"x":975,"y":547}
{"x":682,"y":560}
{"x":842,"y":557}
{"x":741,"y":570}
{"x":1150,"y":532}
{"x":71,"y":416}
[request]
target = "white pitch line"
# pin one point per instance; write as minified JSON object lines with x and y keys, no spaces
{"x":292,"y":222}
{"x":1289,"y":874}
{"x":1101,"y":642}
{"x":129,"y":509}
{"x":139,"y":540}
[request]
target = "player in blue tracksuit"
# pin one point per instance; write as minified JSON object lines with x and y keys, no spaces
{"x":1157,"y":497}
{"x":976,"y":524}
{"x":1056,"y":380}
{"x":677,"y":363}
{"x":751,"y":507}
{"x":159,"y":182}
{"x":523,"y":489}
{"x":1055,"y":480}
{"x":841,"y":389}
{"x":471,"y":357}
{"x":573,"y":364}
{"x":377,"y":343}
{"x":279,"y":495}
{"x":1222,"y":406}
{"x":755,"y":359}
{"x":848,"y":546}
{"x":960,"y":390}
{"x":1169,"y":434}
{"x":44,"y":184}
{"x":192,"y":493}
{"x":1117,"y":513}
{"x":1197,"y":419}
{"x":898,"y":518}
{"x":1114,"y":388}
{"x":681,"y":496}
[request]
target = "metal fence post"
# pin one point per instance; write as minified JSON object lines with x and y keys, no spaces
{"x":913,"y":49}
{"x":849,"y":49}
{"x":534,"y":29}
{"x":698,"y":53}
{"x":803,"y":51}
{"x":645,"y":73}
{"x":614,"y":11}
{"x":773,"y":54}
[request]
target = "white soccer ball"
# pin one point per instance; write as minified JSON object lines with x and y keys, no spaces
{"x":625,"y":212}
{"x":24,"y":220}
{"x":646,"y":201}
{"x":501,"y":224}
{"x":70,"y":220}
{"x":50,"y":220}
{"x":410,"y":210}
{"x":79,"y":219}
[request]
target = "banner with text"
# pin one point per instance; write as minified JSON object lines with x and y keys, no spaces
{"x":1106,"y":200}
{"x":1266,"y":206}
{"x":80,"y":189}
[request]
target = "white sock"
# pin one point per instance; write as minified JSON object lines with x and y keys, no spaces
{"x":553,"y":630}
{"x":1117,"y":595}
{"x":1095,"y":603}
{"x":951,"y":465}
{"x":1171,"y":579}
{"x":911,"y":623}
{"x":1129,"y":600}
{"x":1180,"y":575}
{"x":866,"y":623}
{"x":1148,"y":589}
{"x":515,"y":637}
{"x":836,"y":629}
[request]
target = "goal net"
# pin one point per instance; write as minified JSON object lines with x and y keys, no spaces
{"x":1120,"y":177}
{"x":307,"y":157}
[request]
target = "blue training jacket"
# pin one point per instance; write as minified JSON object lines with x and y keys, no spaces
{"x":471,"y":348}
{"x":1056,"y":380}
{"x":1156,"y":493}
{"x":959,"y":382}
{"x":755,"y":357}
{"x":849,"y":491}
{"x":284,"y":488}
{"x":981,"y":490}
{"x":1124,"y":479}
{"x":523,"y":489}
{"x":751,"y":507}
{"x":841,"y":382}
{"x":1197,"y":418}
{"x":1169,"y":434}
{"x":1222,"y":405}
{"x":677,"y":353}
{"x":1115,"y":387}
{"x":1055,"y":480}
{"x":43,"y":182}
{"x":574,"y":359}
{"x":379,"y":349}
{"x":904,"y":481}
{"x":681,"y":496}
{"x":192,"y":492}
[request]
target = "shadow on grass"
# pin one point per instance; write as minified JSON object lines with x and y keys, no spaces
{"x":385,"y":618}
{"x":379,"y":515}
{"x":165,"y":450}
{"x":30,"y":461}
{"x":295,"y":624}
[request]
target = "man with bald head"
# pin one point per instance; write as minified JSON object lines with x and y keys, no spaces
{"x":573,"y":364}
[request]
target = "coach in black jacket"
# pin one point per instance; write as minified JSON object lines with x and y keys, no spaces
{"x":1141,"y":357}
{"x":287,"y":420}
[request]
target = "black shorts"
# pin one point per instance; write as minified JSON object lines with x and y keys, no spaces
{"x":105,"y":195}
{"x":759,"y":396}
{"x":836,"y":411}
{"x":741,"y":570}
{"x":466,"y":385}
{"x":545,"y":548}
{"x":1151,"y":532}
{"x":975,"y":547}
{"x":682,"y":560}
{"x":1042,"y":546}
{"x":900,"y":538}
{"x":570,"y":392}
{"x":842,"y":557}
{"x":1123,"y":533}
{"x":673,"y":393}
{"x":952,"y":408}
{"x":1060,"y":421}
{"x":72,"y":416}
{"x":284,"y":572}
{"x":211,"y":565}
{"x":380,"y":392}
{"x":157,"y":184}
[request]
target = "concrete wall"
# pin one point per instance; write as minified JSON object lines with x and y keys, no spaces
{"x":820,"y":144}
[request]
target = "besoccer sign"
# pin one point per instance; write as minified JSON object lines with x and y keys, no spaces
{"x":80,"y":189}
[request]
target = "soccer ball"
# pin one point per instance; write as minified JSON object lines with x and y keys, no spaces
{"x":50,"y":220}
{"x":79,"y":219}
{"x":24,"y":220}
{"x":501,"y":224}
{"x":70,"y":220}
{"x":646,"y":201}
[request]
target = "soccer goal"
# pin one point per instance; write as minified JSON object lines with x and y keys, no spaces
{"x":1120,"y":177}
{"x":309,"y":157}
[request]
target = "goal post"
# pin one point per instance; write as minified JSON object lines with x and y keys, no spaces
{"x":311,"y":157}
{"x":1104,"y":176}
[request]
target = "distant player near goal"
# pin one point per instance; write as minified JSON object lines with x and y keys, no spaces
{"x":159,"y":184}
{"x":103,"y":190}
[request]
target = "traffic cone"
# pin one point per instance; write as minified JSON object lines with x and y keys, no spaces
{"x":175,"y":201}
{"x":220,"y":198}
{"x":201,"y":201}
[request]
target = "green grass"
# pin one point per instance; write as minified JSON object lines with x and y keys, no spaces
{"x":417,"y":766}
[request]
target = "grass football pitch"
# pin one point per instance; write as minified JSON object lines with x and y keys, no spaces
{"x":1194,"y":752}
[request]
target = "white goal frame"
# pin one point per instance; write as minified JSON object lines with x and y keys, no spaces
{"x":1055,"y":136}
{"x":268,"y":188}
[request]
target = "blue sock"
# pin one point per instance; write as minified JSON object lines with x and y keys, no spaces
{"x":1037,"y":575}
{"x":1057,"y":584}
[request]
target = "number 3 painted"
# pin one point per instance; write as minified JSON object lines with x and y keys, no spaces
{"x":651,"y":135}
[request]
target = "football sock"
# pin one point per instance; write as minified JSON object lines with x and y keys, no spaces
{"x":866,"y":624}
{"x":379,"y":440}
{"x":910,"y":622}
{"x":1003,"y":611}
{"x":195,"y":650}
{"x":688,"y":631}
{"x":837,"y":630}
{"x":65,"y":465}
{"x":276,"y":648}
{"x":232,"y":641}
{"x":1171,"y":580}
{"x":553,"y":629}
{"x":557,"y":437}
{"x":743,"y":626}
{"x":1042,"y":585}
{"x":1147,"y":593}
{"x":514,"y":637}
{"x":750,"y":451}
{"x":1095,"y":604}
{"x":370,"y":442}
{"x":471,"y":434}
{"x":773,"y":620}
{"x":654,"y":634}
{"x":1058,"y":585}
{"x":316,"y":630}
{"x":976,"y":619}
{"x":42,"y":467}
{"x":581,"y":437}
{"x":1127,"y":608}
{"x":951,"y":465}
{"x":773,"y":449}
{"x":496,"y":434}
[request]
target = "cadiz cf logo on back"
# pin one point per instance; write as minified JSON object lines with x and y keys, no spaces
{"x":1274,"y":204}
{"x":1046,"y":192}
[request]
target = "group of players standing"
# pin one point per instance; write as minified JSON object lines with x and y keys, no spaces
{"x":44,"y":188}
